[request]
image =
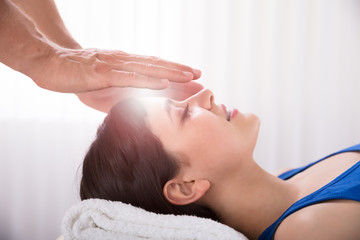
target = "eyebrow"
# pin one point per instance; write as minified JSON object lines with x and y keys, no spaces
{"x":168,"y":105}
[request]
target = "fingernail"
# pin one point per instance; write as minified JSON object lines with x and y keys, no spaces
{"x":197,"y":72}
{"x":188,"y":74}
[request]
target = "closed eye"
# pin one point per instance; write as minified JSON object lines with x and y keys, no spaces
{"x":185,"y":114}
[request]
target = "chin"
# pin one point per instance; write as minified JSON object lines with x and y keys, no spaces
{"x":253,"y":118}
{"x":256,"y":122}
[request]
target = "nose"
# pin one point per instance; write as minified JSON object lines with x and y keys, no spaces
{"x":203,"y":99}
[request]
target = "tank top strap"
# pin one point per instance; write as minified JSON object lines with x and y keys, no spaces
{"x":345,"y":186}
{"x":292,"y":172}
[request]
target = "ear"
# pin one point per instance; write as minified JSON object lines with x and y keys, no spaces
{"x":180,"y":192}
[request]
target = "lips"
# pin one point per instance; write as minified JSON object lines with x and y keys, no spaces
{"x":227,"y":113}
{"x":234,"y":112}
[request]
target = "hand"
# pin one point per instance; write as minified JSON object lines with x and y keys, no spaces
{"x":82,"y":70}
{"x":178,"y":91}
{"x":103,"y":100}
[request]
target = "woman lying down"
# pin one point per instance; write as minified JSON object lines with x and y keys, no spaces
{"x":196,"y":158}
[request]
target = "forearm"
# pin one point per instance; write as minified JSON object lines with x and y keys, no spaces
{"x":51,"y":61}
{"x":47,"y":19}
{"x":23,"y":47}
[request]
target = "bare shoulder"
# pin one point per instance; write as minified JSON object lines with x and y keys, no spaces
{"x":338,"y":219}
{"x":281,"y":171}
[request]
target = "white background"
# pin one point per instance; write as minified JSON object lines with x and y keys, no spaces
{"x":295,"y":63}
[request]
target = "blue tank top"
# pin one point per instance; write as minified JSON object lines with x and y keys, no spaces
{"x":345,"y":186}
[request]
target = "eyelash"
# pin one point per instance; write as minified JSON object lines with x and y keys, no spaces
{"x":185,"y":113}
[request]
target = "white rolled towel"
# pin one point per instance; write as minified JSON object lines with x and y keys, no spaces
{"x":96,"y":219}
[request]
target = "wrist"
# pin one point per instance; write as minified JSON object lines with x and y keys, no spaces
{"x":71,"y":44}
{"x":35,"y":56}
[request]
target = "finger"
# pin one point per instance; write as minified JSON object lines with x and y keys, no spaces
{"x":118,"y":78}
{"x":156,"y":71}
{"x":190,"y":87}
{"x":163,"y":63}
{"x":180,"y":91}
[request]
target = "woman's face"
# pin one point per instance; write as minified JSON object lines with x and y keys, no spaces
{"x":207,"y":139}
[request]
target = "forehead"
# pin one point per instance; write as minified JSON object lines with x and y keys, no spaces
{"x":157,"y":117}
{"x":153,"y":105}
{"x":152,"y":100}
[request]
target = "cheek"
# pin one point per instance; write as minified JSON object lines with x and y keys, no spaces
{"x":210,"y":145}
{"x":220,"y":148}
{"x":247,"y":136}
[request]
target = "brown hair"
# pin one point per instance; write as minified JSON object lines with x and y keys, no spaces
{"x":128,"y":163}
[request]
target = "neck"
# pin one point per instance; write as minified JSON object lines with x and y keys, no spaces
{"x":252,"y":200}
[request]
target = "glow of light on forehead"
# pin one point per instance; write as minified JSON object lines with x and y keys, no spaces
{"x":143,"y":93}
{"x":147,"y":94}
{"x":159,"y":103}
{"x":168,"y":104}
{"x":157,"y":107}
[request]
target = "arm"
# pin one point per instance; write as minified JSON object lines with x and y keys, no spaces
{"x":47,"y":20}
{"x":59,"y":68}
{"x":23,"y":47}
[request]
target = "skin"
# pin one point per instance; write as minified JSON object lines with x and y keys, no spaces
{"x":35,"y":41}
{"x":45,"y":16}
{"x":239,"y":134}
{"x":104,"y":99}
{"x":218,"y":170}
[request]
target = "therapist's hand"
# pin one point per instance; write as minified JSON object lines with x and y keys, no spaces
{"x":103,"y":100}
{"x":83,"y":70}
{"x":178,"y":91}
